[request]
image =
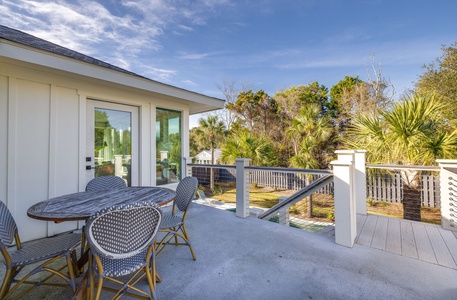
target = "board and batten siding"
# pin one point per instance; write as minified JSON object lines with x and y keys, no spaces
{"x":42,"y":139}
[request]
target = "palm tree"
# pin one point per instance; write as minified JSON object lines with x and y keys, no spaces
{"x":244,"y":145}
{"x":412,"y":133}
{"x":209,"y":134}
{"x":311,"y":134}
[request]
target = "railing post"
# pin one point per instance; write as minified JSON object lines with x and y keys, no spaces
{"x":360,"y":182}
{"x":359,"y":177}
{"x":345,"y":216}
{"x":284,"y":213}
{"x":187,"y":170}
{"x":448,"y":189}
{"x":242,"y":187}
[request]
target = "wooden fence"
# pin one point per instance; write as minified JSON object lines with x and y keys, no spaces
{"x":389,"y":188}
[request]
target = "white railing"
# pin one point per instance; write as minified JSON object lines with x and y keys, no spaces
{"x":350,"y":187}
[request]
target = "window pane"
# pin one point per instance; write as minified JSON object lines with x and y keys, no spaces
{"x":168,"y":145}
{"x":112,"y":143}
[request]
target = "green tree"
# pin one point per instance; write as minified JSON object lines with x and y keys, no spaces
{"x":210,"y":133}
{"x":412,"y":133}
{"x":441,"y":77}
{"x":245,"y":145}
{"x":255,"y":111}
{"x":292,"y":99}
{"x":312,"y":137}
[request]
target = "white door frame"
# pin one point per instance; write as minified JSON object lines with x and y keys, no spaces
{"x":134,"y":110}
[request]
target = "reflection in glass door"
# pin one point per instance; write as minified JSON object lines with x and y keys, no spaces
{"x":111,"y":140}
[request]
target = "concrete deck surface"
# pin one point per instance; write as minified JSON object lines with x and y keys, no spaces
{"x":255,"y":259}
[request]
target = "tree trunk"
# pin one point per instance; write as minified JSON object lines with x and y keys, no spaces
{"x":411,"y":195}
{"x":310,"y":198}
{"x":411,"y":203}
{"x":310,"y":206}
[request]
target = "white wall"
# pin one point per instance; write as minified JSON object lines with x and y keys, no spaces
{"x":42,"y":137}
{"x":3,"y":136}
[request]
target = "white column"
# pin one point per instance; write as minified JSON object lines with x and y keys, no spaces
{"x":357,"y":157}
{"x":360,"y":184}
{"x":242,"y":187}
{"x":345,"y":216}
{"x":448,"y":190}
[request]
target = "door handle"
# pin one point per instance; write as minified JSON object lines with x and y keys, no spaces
{"x":88,"y":168}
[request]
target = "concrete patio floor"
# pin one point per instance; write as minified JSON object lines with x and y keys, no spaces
{"x":255,"y":259}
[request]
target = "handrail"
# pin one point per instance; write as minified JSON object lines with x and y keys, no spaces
{"x":305,"y":192}
{"x":291,"y":170}
{"x":402,"y":167}
{"x":274,"y":169}
{"x":212,"y":166}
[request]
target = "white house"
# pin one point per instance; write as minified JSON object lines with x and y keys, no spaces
{"x":204,"y":157}
{"x":66,"y":117}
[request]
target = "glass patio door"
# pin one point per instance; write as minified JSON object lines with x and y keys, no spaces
{"x":112,"y":141}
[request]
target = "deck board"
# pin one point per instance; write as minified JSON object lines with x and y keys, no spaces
{"x":366,"y":236}
{"x":424,"y":246}
{"x":408,"y":243}
{"x":393,"y":242}
{"x":418,"y":240}
{"x":380,"y":234}
{"x":451,"y":242}
{"x":439,"y":246}
{"x":361,"y":219}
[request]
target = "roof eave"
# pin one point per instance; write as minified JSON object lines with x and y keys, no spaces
{"x":198,"y":103}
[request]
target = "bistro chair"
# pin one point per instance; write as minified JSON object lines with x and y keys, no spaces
{"x":121,"y":240}
{"x":45,"y":250}
{"x":105,"y":183}
{"x":173,"y":223}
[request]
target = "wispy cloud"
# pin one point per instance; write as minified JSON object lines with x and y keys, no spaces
{"x":127,"y":28}
{"x":196,"y":56}
{"x":189,"y":82}
{"x":162,"y":75}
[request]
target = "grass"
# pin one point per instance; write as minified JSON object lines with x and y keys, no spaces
{"x":323,"y":206}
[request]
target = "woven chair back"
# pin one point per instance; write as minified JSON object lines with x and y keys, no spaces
{"x":185,"y":192}
{"x":8,"y":227}
{"x":123,"y":231}
{"x":105,"y":183}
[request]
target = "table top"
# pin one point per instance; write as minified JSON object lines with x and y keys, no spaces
{"x":82,"y":205}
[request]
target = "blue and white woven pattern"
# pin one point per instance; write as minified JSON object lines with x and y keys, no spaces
{"x":185,"y":192}
{"x":8,"y":227}
{"x":105,"y":183}
{"x":123,"y":231}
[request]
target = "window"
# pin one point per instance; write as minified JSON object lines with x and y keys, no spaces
{"x":168,"y":146}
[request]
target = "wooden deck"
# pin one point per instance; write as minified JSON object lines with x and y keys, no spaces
{"x":422,"y":241}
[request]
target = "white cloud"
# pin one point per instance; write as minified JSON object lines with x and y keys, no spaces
{"x":193,"y":56}
{"x":189,"y":82}
{"x":162,"y":75}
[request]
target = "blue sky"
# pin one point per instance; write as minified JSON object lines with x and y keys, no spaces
{"x":262,"y":44}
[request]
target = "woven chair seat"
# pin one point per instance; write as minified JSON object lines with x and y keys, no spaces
{"x":44,"y":249}
{"x":122,"y":267}
{"x":170,"y":221}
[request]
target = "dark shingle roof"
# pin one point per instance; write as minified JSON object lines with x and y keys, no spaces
{"x":23,"y":38}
